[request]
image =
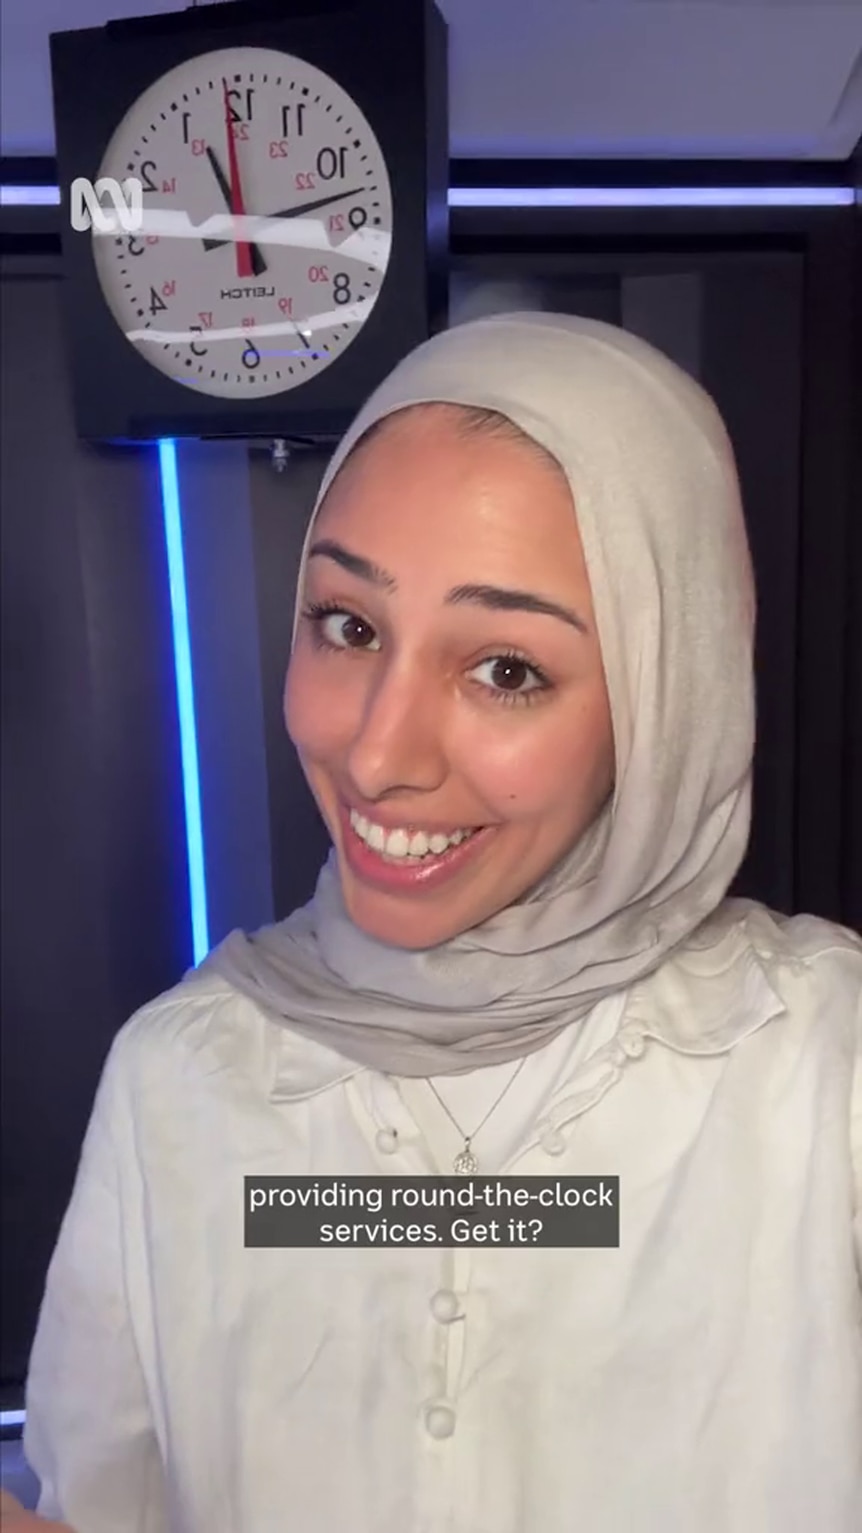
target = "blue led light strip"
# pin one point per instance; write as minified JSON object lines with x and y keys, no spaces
{"x":574,"y":196}
{"x":185,"y":697}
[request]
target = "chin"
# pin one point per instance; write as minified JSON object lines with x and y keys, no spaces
{"x":400,"y":929}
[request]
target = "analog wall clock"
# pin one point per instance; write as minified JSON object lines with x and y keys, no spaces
{"x":293,"y":239}
{"x":268,"y":137}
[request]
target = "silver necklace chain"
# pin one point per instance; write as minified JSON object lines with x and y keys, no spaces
{"x":465,"y":1162}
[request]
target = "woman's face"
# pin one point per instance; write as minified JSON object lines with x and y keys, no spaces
{"x":428,"y":695}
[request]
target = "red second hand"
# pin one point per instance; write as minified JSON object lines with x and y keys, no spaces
{"x":237,"y":206}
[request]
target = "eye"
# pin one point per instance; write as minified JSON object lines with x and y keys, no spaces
{"x":336,"y":628}
{"x":511,"y":678}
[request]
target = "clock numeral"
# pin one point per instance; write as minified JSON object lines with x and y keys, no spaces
{"x":240,"y":131}
{"x":147,"y":167}
{"x":186,"y":121}
{"x":318,"y":273}
{"x":156,"y":303}
{"x":285,"y":305}
{"x":331,"y":162}
{"x":194,"y":348}
{"x":169,"y":185}
{"x":134,"y":246}
{"x":251,"y":355}
{"x":305,"y":181}
{"x":206,"y":318}
{"x":236,"y":113}
{"x":169,"y":287}
{"x":199,"y":146}
{"x":357,"y":217}
{"x":278,"y":149}
{"x":341,"y":287}
{"x":299,"y":120}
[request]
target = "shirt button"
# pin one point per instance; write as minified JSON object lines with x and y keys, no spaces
{"x":633,"y":1044}
{"x":445,"y":1306}
{"x":387,"y":1141}
{"x":440,"y":1421}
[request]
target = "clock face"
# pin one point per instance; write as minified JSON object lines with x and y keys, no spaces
{"x":267,"y":223}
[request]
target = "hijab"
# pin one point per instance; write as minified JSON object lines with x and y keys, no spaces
{"x":657,"y":502}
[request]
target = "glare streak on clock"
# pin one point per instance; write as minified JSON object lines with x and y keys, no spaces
{"x":345,"y":314}
{"x":371,"y":246}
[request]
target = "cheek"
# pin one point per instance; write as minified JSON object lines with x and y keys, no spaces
{"x":540,"y":768}
{"x":322,"y":705}
{"x":305,"y":722}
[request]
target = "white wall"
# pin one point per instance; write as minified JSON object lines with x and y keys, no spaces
{"x":730,"y":78}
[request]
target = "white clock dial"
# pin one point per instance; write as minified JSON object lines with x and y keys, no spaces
{"x":267,"y":223}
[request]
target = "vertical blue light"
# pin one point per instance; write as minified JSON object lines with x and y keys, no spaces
{"x":185,"y":697}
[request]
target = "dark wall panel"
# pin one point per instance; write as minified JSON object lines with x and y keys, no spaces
{"x":752,"y":364}
{"x":94,"y":898}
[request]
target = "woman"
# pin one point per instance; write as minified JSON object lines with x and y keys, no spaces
{"x":521,"y":690}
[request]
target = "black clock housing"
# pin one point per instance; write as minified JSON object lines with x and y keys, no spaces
{"x":392,"y":60}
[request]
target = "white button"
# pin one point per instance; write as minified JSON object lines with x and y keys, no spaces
{"x":553,"y":1142}
{"x":387,"y":1141}
{"x":440,"y":1421}
{"x":445,"y":1306}
{"x":633,"y":1044}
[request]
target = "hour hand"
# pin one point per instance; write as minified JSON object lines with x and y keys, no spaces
{"x":258,"y":263}
{"x":223,"y":182}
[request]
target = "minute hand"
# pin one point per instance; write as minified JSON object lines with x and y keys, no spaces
{"x":307,"y":207}
{"x":311,"y":207}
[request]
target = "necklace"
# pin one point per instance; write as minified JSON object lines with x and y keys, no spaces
{"x":465,"y":1162}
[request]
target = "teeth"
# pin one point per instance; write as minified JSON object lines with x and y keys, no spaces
{"x":401,"y":843}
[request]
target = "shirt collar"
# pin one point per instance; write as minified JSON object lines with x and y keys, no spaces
{"x":703,"y":1000}
{"x":708,"y":998}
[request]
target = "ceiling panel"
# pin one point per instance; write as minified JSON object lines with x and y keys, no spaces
{"x":572,"y":78}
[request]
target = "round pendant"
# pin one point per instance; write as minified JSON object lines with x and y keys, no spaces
{"x":466,"y":1163}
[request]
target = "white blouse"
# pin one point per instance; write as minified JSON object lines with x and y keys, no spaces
{"x":704,"y":1377}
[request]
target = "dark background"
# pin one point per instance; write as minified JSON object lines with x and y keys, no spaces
{"x":763,"y":306}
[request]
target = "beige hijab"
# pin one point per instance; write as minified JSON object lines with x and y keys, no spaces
{"x":657,"y":501}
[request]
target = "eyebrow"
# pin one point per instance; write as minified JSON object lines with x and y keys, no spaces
{"x":495,"y":598}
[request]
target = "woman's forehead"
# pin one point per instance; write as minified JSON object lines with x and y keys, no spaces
{"x":424,"y":479}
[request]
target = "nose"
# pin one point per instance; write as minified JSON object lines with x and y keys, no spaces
{"x":400,"y":740}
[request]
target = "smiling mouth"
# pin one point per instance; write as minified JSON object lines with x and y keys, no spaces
{"x":401,"y":871}
{"x":403,"y":844}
